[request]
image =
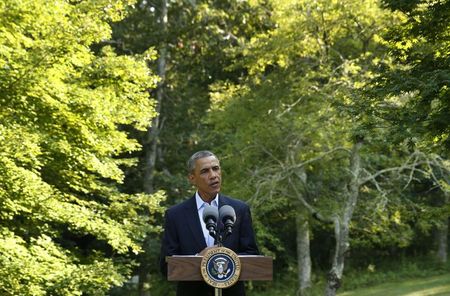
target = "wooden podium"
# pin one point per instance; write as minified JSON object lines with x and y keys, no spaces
{"x":187,"y":268}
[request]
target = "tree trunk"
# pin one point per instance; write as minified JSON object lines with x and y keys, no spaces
{"x":303,"y":255}
{"x":150,"y":149}
{"x":143,"y":285}
{"x":151,"y":140}
{"x":342,"y":223}
{"x":442,"y":237}
{"x":442,"y":243}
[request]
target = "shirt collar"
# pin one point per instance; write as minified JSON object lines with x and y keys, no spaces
{"x":200,"y":202}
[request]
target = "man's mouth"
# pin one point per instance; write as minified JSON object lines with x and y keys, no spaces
{"x":214,"y":184}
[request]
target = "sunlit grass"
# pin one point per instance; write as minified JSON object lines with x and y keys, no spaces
{"x":431,"y":286}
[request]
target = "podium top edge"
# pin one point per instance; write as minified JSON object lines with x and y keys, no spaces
{"x":200,"y":256}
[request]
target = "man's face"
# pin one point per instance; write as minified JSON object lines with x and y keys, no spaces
{"x":207,"y":177}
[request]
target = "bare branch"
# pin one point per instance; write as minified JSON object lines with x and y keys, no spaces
{"x":393,"y":169}
{"x":319,"y":157}
{"x":271,"y":155}
{"x":289,"y":108}
{"x":314,"y":213}
{"x":413,"y":164}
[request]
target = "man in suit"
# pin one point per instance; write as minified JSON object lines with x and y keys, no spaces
{"x":185,"y":232}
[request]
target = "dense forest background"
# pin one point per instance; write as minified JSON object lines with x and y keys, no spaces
{"x":331,"y":119}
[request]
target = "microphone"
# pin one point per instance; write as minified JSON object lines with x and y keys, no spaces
{"x":228,"y":217}
{"x":210,"y":216}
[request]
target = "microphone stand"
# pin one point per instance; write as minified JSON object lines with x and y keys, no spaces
{"x":218,"y":238}
{"x":217,"y":292}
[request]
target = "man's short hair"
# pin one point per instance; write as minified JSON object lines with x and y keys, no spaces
{"x":198,"y":155}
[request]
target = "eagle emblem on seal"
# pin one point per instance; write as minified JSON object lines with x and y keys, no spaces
{"x":221,"y":269}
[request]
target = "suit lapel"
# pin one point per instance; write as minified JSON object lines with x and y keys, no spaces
{"x":223,"y":200}
{"x":191,"y":216}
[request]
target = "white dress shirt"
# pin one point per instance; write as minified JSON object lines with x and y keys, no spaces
{"x":200,"y":206}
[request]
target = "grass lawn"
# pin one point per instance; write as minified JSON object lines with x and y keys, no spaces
{"x":435,"y":286}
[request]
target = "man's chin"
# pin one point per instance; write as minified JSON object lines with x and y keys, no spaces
{"x":215,"y":189}
{"x":214,"y":193}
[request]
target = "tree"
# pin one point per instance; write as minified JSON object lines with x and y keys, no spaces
{"x":200,"y":40}
{"x":412,"y":89}
{"x":292,"y":109}
{"x":195,"y":42}
{"x":66,"y":229}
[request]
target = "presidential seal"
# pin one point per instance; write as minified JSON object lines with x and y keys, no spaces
{"x":220,"y":267}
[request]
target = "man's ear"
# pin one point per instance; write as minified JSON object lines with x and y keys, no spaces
{"x":191,"y":178}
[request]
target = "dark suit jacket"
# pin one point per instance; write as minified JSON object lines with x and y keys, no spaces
{"x":183,"y":236}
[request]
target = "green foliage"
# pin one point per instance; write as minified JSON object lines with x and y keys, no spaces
{"x":286,"y":284}
{"x":413,"y":92}
{"x":41,"y":267}
{"x":62,"y":217}
{"x":287,"y":125}
{"x":272,"y":86}
{"x":202,"y":39}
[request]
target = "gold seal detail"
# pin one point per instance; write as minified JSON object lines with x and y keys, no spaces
{"x":220,"y":267}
